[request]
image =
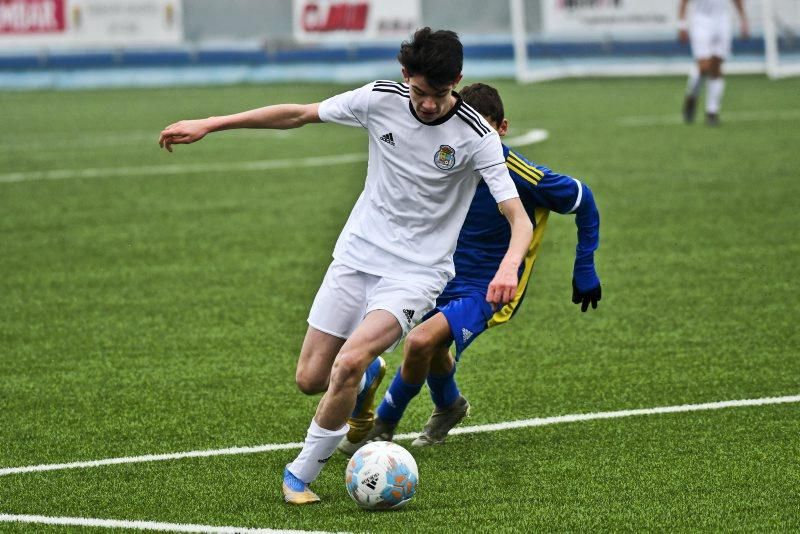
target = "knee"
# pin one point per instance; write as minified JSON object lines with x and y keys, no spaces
{"x":347,"y":369}
{"x":310,"y":383}
{"x":419,"y":346}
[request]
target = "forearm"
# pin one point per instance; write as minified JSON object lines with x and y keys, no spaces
{"x":587,"y":219}
{"x":278,"y":117}
{"x":521,"y":235}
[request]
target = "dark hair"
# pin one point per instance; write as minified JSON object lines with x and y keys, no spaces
{"x":485,"y":100}
{"x":436,"y":55}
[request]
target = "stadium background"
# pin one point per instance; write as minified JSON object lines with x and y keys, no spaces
{"x":154,"y":303}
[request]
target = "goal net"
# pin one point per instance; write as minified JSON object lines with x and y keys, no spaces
{"x":574,"y":38}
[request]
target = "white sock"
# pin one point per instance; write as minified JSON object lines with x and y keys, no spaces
{"x":716,"y":87}
{"x":694,"y":82}
{"x":319,"y":445}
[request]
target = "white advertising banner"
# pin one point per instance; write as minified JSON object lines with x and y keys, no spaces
{"x":607,"y":17}
{"x":337,"y":21}
{"x":89,"y":23}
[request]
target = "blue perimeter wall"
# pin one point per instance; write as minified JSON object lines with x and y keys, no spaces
{"x":181,"y":66}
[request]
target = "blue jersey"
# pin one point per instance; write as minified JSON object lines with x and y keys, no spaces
{"x":486,"y":234}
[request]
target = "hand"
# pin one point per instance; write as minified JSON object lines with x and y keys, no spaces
{"x":585,"y":297}
{"x":503,"y":287}
{"x":683,"y":36}
{"x":745,"y":29}
{"x":182,"y":133}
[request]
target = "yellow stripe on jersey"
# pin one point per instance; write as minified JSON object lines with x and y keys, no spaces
{"x":527,"y":171}
{"x":504,"y":314}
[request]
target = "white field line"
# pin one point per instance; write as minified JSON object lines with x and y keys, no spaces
{"x":74,"y":140}
{"x":525,"y":423}
{"x":192,"y":168}
{"x":528,"y":138}
{"x":141,"y":525}
{"x":732,"y":116}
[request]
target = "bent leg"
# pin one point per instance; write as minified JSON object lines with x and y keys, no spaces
{"x":422,"y":345}
{"x":316,"y":359}
{"x":377,"y":332}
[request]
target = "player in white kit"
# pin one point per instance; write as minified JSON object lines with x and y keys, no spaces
{"x":709,"y":31}
{"x":427,"y":152}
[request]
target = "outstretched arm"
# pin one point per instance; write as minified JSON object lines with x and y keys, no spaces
{"x":503,"y":287}
{"x":585,"y":282}
{"x":277,"y":117}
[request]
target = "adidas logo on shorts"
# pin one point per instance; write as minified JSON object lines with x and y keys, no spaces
{"x":466,"y":334}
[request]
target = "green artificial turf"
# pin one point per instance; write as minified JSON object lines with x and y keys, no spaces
{"x":163,"y":312}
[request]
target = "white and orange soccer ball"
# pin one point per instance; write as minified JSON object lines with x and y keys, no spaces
{"x":381,"y":476}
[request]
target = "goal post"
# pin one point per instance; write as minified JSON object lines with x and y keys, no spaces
{"x":781,"y":28}
{"x":576,"y":38}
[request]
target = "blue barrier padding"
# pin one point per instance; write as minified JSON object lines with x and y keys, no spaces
{"x":80,"y":60}
{"x":231,"y":57}
{"x":136,"y":58}
{"x":20,"y":62}
{"x":258,"y":57}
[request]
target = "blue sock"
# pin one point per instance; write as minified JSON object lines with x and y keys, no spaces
{"x":396,"y":399}
{"x":444,"y":390}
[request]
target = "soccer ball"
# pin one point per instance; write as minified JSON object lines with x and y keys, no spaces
{"x":381,"y":476}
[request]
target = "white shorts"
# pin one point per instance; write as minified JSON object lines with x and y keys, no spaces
{"x":710,"y":37}
{"x":346,"y":296}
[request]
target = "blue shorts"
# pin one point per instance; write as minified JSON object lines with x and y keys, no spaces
{"x":465,"y":307}
{"x":468,"y":316}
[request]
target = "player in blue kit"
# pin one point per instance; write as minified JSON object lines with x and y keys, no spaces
{"x":462,"y":312}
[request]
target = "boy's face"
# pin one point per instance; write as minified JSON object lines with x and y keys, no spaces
{"x":430,"y":103}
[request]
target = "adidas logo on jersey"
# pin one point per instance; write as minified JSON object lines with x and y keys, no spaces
{"x":388,"y":138}
{"x":409,"y":315}
{"x":465,"y":334}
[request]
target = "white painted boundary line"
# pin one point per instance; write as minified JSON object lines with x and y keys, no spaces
{"x":141,"y":525}
{"x":153,"y":458}
{"x":528,"y":138}
{"x":193,"y":168}
{"x":525,"y":423}
{"x":732,"y":116}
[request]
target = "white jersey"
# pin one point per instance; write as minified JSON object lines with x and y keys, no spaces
{"x":421,"y":178}
{"x":715,"y":9}
{"x":710,"y":28}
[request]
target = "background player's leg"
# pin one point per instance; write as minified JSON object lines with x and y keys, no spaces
{"x":377,"y":332}
{"x":441,"y":380}
{"x":693,"y":84}
{"x":716,"y":88}
{"x":421,"y":346}
{"x":450,"y":406}
{"x":316,"y":359}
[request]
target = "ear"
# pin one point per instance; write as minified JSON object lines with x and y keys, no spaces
{"x":455,"y":83}
{"x":502,"y":129}
{"x":406,"y":76}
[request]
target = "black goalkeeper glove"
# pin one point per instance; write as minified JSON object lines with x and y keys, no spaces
{"x":585,"y":297}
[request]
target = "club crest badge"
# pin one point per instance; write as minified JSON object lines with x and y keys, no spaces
{"x":445,"y":157}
